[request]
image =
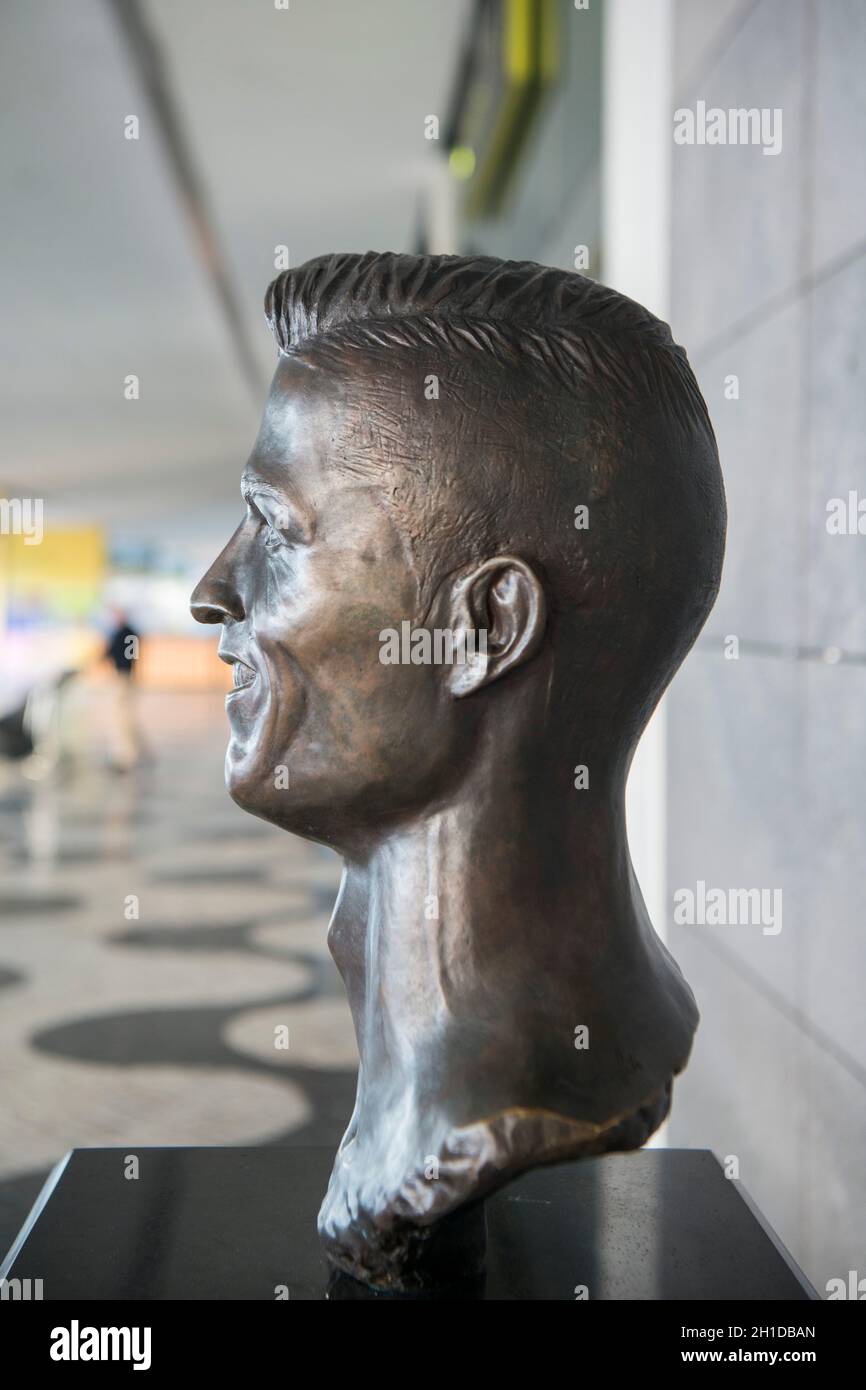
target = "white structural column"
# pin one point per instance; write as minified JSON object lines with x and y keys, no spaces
{"x":637,"y":144}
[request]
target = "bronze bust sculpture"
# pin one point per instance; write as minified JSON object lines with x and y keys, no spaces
{"x":467,"y":445}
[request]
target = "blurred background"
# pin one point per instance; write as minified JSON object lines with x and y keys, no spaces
{"x":160,"y":163}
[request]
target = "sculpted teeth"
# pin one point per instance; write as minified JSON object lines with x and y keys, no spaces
{"x":242,"y":675}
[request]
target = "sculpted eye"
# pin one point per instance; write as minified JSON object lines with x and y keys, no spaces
{"x":273,"y":539}
{"x":275,"y":520}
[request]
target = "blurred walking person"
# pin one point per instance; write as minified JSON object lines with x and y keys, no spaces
{"x":122,"y":651}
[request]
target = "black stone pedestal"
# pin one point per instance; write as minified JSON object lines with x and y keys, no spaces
{"x":226,"y":1223}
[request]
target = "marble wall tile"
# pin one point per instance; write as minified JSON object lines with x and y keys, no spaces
{"x":759,"y":434}
{"x":839,"y":156}
{"x":737,"y":213}
{"x":836,"y":383}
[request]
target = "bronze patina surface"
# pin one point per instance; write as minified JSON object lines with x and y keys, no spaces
{"x":453,"y":446}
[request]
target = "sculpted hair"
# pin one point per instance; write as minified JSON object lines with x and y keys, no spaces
{"x":570,"y":328}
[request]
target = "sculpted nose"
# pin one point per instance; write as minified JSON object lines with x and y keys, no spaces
{"x":215,"y":600}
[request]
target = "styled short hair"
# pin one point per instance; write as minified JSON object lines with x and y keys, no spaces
{"x":566,"y":325}
{"x":603,"y":408}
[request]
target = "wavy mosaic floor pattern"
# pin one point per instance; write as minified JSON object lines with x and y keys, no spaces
{"x":160,"y":1027}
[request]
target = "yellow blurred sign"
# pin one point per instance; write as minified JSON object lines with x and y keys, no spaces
{"x":61,"y":576}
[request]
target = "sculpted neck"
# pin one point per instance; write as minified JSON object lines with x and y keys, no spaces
{"x":492,"y":929}
{"x":474,"y":943}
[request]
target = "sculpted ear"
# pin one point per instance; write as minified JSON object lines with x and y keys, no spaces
{"x":501,"y":603}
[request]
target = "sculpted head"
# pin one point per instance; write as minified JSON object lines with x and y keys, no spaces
{"x":463,"y":444}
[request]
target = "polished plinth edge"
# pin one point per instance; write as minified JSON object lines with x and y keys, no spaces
{"x":240,"y":1223}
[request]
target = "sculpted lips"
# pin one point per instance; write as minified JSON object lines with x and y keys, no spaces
{"x":243,"y":675}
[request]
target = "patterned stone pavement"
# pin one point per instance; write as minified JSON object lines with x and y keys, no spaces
{"x":160,"y":1028}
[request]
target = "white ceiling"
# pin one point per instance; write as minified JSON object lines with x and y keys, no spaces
{"x":306,"y":127}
